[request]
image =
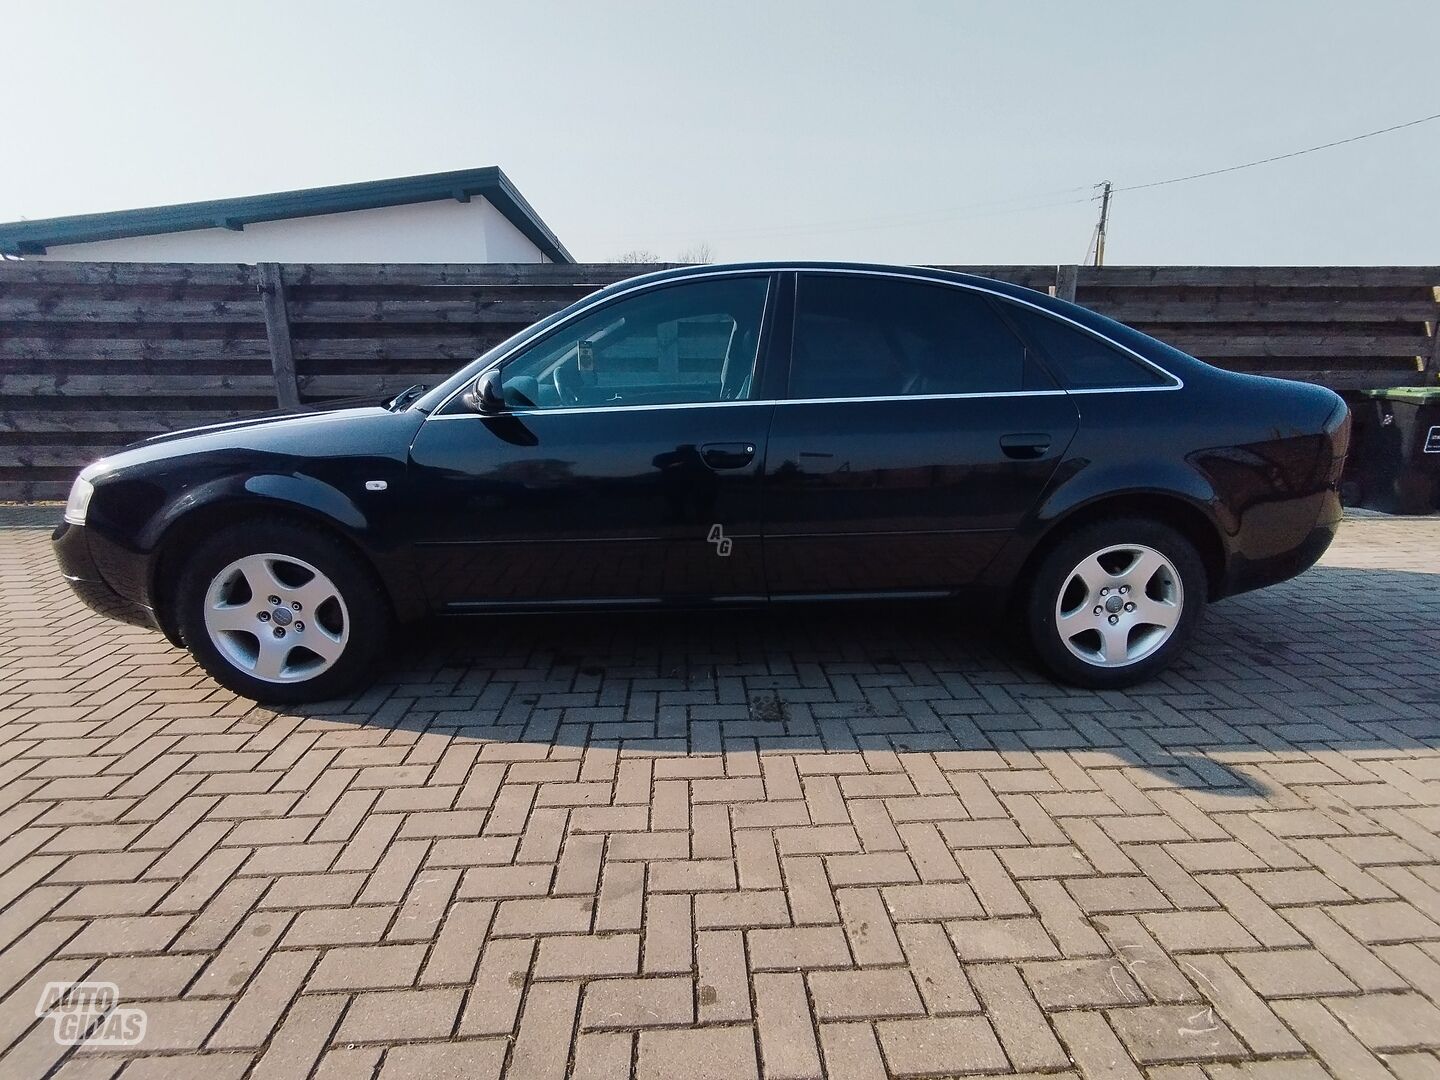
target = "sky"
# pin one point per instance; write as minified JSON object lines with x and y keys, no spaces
{"x":911,"y":131}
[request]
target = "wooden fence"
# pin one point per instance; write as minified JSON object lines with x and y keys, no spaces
{"x":96,"y":355}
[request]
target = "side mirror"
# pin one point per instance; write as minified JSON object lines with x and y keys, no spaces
{"x":485,"y":395}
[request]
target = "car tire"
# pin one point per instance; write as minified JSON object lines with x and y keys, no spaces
{"x":1113,"y":603}
{"x":281,"y":612}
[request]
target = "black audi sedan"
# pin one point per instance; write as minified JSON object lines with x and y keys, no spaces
{"x":732,"y":435}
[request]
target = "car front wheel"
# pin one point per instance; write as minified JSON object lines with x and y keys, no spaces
{"x":1115,"y":602}
{"x":281,"y":613}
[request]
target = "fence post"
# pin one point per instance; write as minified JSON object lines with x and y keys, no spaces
{"x":1065,"y":279}
{"x":1432,"y":365}
{"x":277,"y":332}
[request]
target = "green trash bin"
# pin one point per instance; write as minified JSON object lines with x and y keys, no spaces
{"x":1398,"y":456}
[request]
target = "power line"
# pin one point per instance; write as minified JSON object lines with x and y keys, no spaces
{"x":1003,"y":207}
{"x":1281,"y":157}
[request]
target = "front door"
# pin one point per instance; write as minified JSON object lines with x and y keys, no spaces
{"x":626,"y":469}
{"x":918,"y":433}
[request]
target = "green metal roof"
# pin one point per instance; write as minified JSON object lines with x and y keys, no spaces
{"x":35,"y":237}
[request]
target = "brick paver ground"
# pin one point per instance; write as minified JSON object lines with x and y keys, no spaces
{"x":841,"y":844}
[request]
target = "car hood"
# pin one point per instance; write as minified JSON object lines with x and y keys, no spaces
{"x":366,"y":431}
{"x":355,"y":405}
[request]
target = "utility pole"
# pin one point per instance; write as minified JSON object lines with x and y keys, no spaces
{"x":1104,"y":221}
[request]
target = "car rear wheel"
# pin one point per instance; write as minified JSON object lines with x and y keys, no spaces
{"x":281,"y":613}
{"x":1115,"y":602}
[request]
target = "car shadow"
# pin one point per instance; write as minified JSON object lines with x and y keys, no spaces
{"x":1340,"y":659}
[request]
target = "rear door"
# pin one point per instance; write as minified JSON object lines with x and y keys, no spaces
{"x":916,"y":433}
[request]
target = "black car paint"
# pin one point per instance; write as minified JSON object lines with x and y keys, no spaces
{"x":312,"y":465}
{"x":912,"y":495}
{"x":590,"y":504}
{"x":615,"y":508}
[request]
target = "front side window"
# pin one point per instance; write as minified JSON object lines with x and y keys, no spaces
{"x":688,"y":343}
{"x":1079,"y":360}
{"x":861,"y":336}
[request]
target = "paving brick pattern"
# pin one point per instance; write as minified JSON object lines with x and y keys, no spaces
{"x":844,"y":844}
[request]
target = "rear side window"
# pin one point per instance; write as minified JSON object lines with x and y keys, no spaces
{"x":863,"y":336}
{"x":1081,"y":361}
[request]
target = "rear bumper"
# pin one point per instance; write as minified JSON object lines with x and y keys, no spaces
{"x":1257,"y":571}
{"x":1272,"y":571}
{"x":77,"y":565}
{"x":1276,"y":539}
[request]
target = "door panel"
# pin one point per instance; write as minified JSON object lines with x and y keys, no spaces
{"x":918,"y":432}
{"x":912,"y":495}
{"x":590,"y":505}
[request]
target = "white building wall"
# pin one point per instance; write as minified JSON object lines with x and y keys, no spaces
{"x":448,"y":231}
{"x":504,"y":243}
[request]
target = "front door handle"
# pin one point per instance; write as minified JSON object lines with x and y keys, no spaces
{"x":727,"y":455}
{"x":1025,"y":444}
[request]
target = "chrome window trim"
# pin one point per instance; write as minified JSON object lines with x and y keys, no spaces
{"x":1177,"y":384}
{"x":1125,"y":389}
{"x":779,"y":401}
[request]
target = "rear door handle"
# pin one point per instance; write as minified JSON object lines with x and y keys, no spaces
{"x":1025,"y":444}
{"x":727,"y":455}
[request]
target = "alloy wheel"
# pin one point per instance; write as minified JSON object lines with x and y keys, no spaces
{"x":276,"y":618}
{"x":1119,"y":605}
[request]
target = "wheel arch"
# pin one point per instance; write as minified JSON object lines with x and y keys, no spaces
{"x":186,"y":528}
{"x":1178,"y":512}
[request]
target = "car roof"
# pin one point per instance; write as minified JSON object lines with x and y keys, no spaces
{"x":771,"y":266}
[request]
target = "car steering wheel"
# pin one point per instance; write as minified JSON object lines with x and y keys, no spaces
{"x":567,"y":384}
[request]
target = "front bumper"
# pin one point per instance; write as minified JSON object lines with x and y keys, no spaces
{"x":72,"y":552}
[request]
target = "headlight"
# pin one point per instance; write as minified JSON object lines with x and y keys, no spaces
{"x":79,"y":501}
